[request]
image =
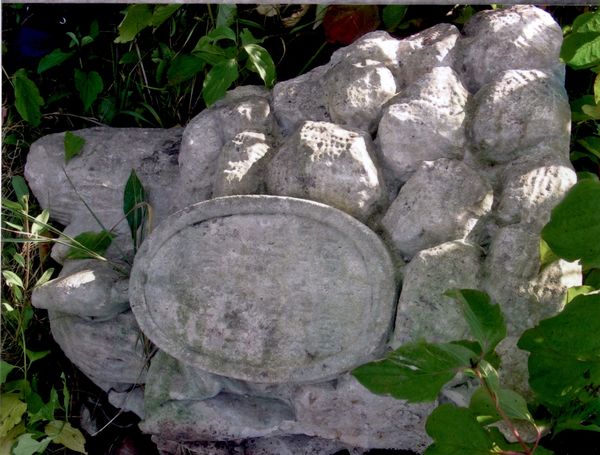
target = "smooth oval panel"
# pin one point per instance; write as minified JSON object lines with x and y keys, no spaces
{"x":264,"y":289}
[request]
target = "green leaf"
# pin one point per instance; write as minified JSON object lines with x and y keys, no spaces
{"x":134,"y":206}
{"x":89,"y":85}
{"x":511,"y":403}
{"x":9,"y":440}
{"x":5,"y":369}
{"x":162,"y":13}
{"x":455,"y":431}
{"x":220,"y":33}
{"x":21,"y":189}
{"x":247,"y":37}
{"x":592,"y":111}
{"x":547,"y":256}
{"x":12,"y":279}
{"x":11,"y":411}
{"x":585,"y":417}
{"x":593,"y":279}
{"x":40,"y":222}
{"x":393,"y":15}
{"x":27,"y":98}
{"x":574,"y":227}
{"x":416,"y":371}
{"x":490,"y":375}
{"x":73,"y":145}
{"x":137,"y":17}
{"x":218,"y":80}
{"x":36,"y":355}
{"x":54,"y":58}
{"x":46,"y":410}
{"x":210,"y":53}
{"x":63,"y":433}
{"x":597,"y":89}
{"x":485,"y":319}
{"x":576,"y":291}
{"x":587,"y":22}
{"x":577,"y":114}
{"x":94,"y":244}
{"x":45,"y":277}
{"x":581,"y":50}
{"x":27,"y":445}
{"x":564,"y":363}
{"x":591,"y":144}
{"x":226,"y":14}
{"x":184,"y":67}
{"x":260,"y":61}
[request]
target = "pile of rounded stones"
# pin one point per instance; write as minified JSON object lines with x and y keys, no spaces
{"x":301,"y":232}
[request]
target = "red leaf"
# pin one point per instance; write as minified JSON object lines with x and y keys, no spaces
{"x":344,"y":23}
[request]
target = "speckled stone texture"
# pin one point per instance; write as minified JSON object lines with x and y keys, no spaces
{"x":422,"y":164}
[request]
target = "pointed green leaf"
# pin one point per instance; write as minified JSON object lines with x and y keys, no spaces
{"x":208,"y":52}
{"x":455,"y":431}
{"x":12,"y":279}
{"x":564,"y":363}
{"x":73,"y":145}
{"x":574,"y":227}
{"x":416,"y":371}
{"x":36,"y":355}
{"x":63,"y":433}
{"x":260,"y":61}
{"x":21,"y":189}
{"x":512,"y":404}
{"x":218,"y":80}
{"x":137,"y":17}
{"x":45,"y":277}
{"x":27,"y":98}
{"x":581,"y":50}
{"x":11,"y":410}
{"x":587,"y":22}
{"x":134,"y":208}
{"x":95,"y":244}
{"x":40,"y":223}
{"x":547,"y":256}
{"x":27,"y":445}
{"x":54,"y":58}
{"x":226,"y":14}
{"x":184,"y":67}
{"x":484,"y":318}
{"x":89,"y":85}
{"x":162,"y":13}
{"x":220,"y":33}
{"x":591,"y":144}
{"x":597,"y":89}
{"x":247,"y":37}
{"x":577,"y":291}
{"x":392,"y":16}
{"x":5,"y":369}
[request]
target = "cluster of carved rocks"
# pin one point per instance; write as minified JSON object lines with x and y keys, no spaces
{"x":449,"y":148}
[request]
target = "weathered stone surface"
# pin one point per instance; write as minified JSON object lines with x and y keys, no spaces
{"x":327,"y":163}
{"x":254,"y":306}
{"x":296,"y":445}
{"x":107,"y":352}
{"x":519,"y":37}
{"x":99,"y":173}
{"x":356,"y":91}
{"x":301,"y":99}
{"x":130,"y":401}
{"x":242,"y":164}
{"x":349,"y":413}
{"x":423,"y":310}
{"x":424,"y":122}
{"x":442,"y":201}
{"x":244,"y":109}
{"x":378,"y":45}
{"x":89,"y":289}
{"x":519,"y":109}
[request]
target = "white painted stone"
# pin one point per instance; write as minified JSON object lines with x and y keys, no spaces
{"x":423,"y":310}
{"x":424,"y":122}
{"x":444,"y":200}
{"x":331,"y":164}
{"x":517,"y":110}
{"x":378,"y":45}
{"x":282,"y":289}
{"x":520,"y":37}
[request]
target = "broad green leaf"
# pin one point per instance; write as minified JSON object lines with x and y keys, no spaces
{"x":27,"y":445}
{"x":574,"y":227}
{"x":218,"y":80}
{"x":485,"y":319}
{"x":54,"y":58}
{"x":89,"y":85}
{"x":162,"y":13}
{"x":46,"y":410}
{"x":134,"y":206}
{"x":416,"y":371}
{"x":512,"y":404}
{"x":184,"y":67}
{"x":211,"y":54}
{"x":577,"y":291}
{"x":63,"y":433}
{"x":12,"y":279}
{"x":220,"y":33}
{"x":587,"y":22}
{"x":564,"y":363}
{"x":581,"y":50}
{"x":21,"y":189}
{"x":40,"y":222}
{"x":11,"y":411}
{"x":247,"y":37}
{"x":455,"y":431}
{"x":27,"y":98}
{"x":137,"y":17}
{"x":547,"y":256}
{"x":96,"y":244}
{"x":260,"y":61}
{"x":5,"y":369}
{"x":36,"y":355}
{"x":9,"y":440}
{"x":73,"y":145}
{"x":591,"y":144}
{"x":592,"y":111}
{"x":490,"y":375}
{"x":392,"y":16}
{"x":593,"y":279}
{"x":597,"y":89}
{"x":577,"y":114}
{"x":585,"y":417}
{"x":226,"y":14}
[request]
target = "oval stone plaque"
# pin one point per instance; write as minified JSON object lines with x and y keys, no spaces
{"x":265,"y":289}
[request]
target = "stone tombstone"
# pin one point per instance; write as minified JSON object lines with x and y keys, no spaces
{"x":303,"y":231}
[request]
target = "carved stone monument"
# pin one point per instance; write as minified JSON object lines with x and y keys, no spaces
{"x":300,"y":232}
